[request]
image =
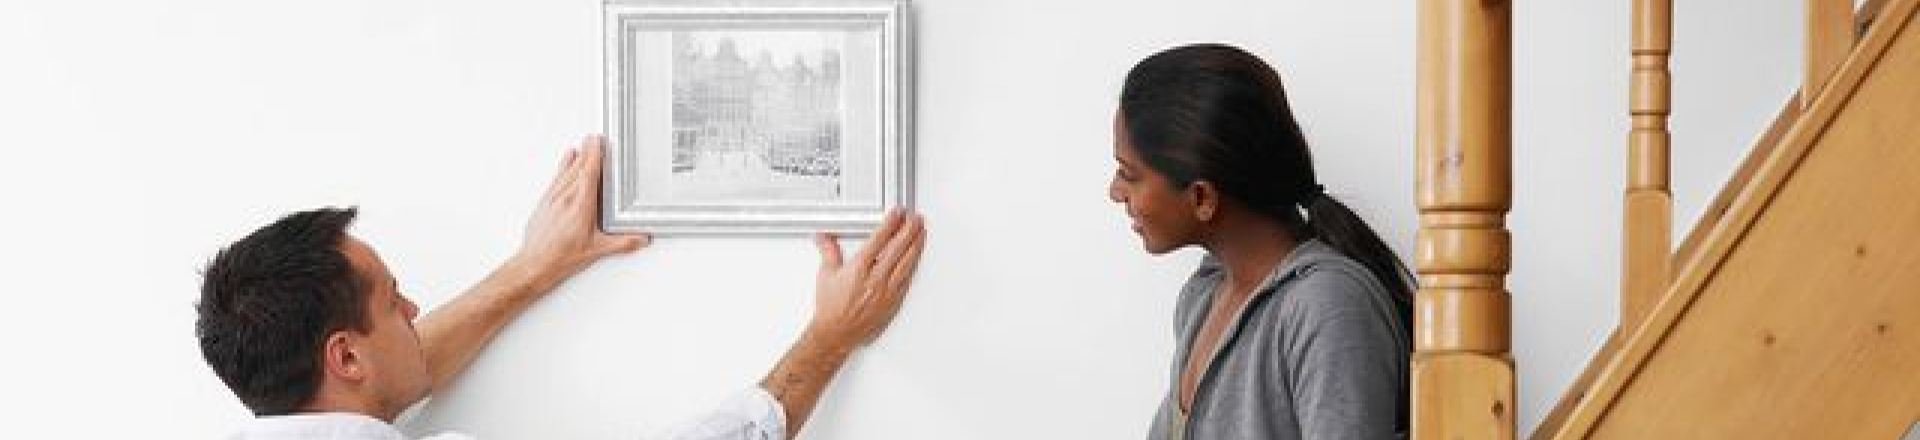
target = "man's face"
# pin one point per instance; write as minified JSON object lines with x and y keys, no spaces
{"x":396,"y":367}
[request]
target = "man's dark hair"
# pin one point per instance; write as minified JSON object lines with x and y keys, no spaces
{"x":268,"y":302}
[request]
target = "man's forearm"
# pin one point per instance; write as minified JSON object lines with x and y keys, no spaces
{"x":452,"y":334}
{"x":803,"y":373}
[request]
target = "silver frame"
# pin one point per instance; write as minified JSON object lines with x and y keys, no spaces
{"x":619,"y":213}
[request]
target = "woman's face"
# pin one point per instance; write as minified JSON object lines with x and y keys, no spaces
{"x":1163,"y":215}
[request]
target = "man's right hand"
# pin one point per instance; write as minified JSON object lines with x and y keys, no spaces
{"x":854,"y":300}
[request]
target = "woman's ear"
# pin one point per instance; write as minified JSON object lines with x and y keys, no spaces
{"x":1204,"y":198}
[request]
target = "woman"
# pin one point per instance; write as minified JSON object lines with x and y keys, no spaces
{"x":1296,"y":324}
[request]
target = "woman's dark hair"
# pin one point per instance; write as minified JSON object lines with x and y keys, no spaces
{"x":1215,"y":113}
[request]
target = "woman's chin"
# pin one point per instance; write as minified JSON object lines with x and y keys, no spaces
{"x":1152,"y":248}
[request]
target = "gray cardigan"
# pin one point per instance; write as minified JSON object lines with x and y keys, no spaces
{"x":1318,"y":353}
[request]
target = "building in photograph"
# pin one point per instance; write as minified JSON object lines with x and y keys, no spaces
{"x":777,"y":112}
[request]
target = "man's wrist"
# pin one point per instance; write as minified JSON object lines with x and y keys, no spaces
{"x":535,"y":276}
{"x":797,"y":381}
{"x":828,"y":339}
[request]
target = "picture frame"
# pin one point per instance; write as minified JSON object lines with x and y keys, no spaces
{"x":756,"y":116}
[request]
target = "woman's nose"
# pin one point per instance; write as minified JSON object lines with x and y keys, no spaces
{"x":413,"y":310}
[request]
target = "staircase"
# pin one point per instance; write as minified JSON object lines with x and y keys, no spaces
{"x":1791,"y":310}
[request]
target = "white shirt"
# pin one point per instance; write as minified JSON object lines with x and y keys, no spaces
{"x":749,"y":415}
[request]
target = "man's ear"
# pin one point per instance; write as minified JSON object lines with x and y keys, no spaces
{"x":1204,"y":198}
{"x":340,"y":358}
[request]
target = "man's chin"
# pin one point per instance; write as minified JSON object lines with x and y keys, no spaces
{"x":414,"y":397}
{"x":408,"y":404}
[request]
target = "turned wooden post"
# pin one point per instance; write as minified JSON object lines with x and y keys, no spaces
{"x":1463,"y":383}
{"x":1830,"y":33}
{"x":1648,"y":208}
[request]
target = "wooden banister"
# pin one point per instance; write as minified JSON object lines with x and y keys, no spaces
{"x":1743,"y":174}
{"x":1712,"y":246}
{"x":1551,"y":427}
{"x":1868,"y":13}
{"x":1463,"y":383}
{"x":1648,"y":208}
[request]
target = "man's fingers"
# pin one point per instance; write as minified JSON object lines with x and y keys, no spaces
{"x":901,"y":274}
{"x":829,"y":250}
{"x":569,"y":188}
{"x":900,"y":271}
{"x":560,"y":176}
{"x":895,"y":248}
{"x":595,"y":152}
{"x":590,"y":187}
{"x":888,"y":227}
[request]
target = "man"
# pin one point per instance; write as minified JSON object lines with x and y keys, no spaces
{"x":305,"y":324}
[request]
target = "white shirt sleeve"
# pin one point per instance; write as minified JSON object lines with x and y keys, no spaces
{"x":751,"y":414}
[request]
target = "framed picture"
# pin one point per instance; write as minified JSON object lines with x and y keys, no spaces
{"x":756,"y":116}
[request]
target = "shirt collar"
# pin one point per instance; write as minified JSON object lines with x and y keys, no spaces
{"x":1297,"y":259}
{"x":318,"y":426}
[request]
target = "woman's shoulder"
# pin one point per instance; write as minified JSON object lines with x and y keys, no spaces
{"x":1319,"y":278}
{"x":1332,"y":296}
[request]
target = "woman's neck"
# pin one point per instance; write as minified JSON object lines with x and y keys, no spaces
{"x":1248,"y":245}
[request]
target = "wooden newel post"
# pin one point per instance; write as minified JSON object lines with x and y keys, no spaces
{"x":1463,"y":383}
{"x":1648,"y":209}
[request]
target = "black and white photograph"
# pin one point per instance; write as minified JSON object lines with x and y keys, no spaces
{"x":739,"y":118}
{"x":756,"y":115}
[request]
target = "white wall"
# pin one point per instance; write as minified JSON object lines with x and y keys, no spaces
{"x":136,"y":137}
